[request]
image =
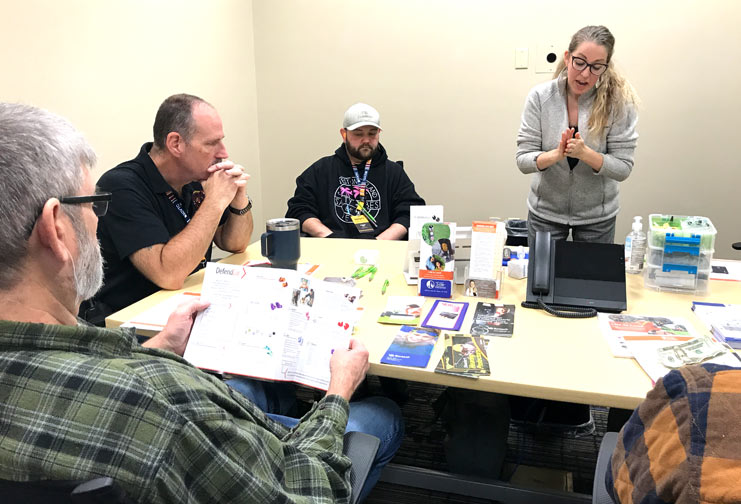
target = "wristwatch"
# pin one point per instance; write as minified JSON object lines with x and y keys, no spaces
{"x":243,"y":210}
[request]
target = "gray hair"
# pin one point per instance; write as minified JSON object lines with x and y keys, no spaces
{"x":42,"y":156}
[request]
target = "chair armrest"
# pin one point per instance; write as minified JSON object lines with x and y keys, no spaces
{"x":599,"y":490}
{"x":99,"y":491}
{"x":361,"y":448}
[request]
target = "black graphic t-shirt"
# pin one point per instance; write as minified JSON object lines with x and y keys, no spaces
{"x":329,"y":191}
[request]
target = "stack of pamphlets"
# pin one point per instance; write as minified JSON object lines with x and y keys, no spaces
{"x":723,"y":320}
{"x":465,"y":356}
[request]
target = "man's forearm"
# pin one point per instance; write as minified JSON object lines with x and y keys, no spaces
{"x":314,"y":227}
{"x":180,"y":256}
{"x":394,"y":232}
{"x":234,"y":235}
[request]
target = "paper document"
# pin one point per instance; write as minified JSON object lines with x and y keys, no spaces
{"x":619,"y":328}
{"x":657,"y":358}
{"x":412,"y":346}
{"x":723,"y":320}
{"x":725,"y":270}
{"x":402,"y":310}
{"x":271,"y":323}
{"x":487,"y":245}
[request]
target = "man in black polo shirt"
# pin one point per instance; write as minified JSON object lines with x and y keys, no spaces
{"x":169,"y":204}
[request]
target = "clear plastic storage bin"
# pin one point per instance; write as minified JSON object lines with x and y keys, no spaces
{"x":680,"y":249}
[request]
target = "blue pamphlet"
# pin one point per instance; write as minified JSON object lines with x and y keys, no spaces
{"x":412,"y":346}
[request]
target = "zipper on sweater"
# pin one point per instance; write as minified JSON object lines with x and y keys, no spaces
{"x":571,"y":187}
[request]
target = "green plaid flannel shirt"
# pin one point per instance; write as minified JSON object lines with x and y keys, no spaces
{"x":81,"y":402}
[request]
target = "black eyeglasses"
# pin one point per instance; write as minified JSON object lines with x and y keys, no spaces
{"x":580,"y":64}
{"x":99,"y":200}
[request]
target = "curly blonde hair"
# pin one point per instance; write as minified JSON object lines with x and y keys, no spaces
{"x":613,"y":90}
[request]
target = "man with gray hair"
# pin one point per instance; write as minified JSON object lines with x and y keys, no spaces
{"x":357,"y":192}
{"x":79,"y":402}
{"x":170,"y":203}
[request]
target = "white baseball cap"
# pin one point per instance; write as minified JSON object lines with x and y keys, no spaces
{"x":359,"y":115}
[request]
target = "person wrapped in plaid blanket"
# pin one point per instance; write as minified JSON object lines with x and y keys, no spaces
{"x":683,"y":443}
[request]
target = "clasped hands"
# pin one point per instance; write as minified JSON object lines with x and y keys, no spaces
{"x":226,"y":180}
{"x":572,"y":145}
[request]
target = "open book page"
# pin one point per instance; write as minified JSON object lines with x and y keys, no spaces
{"x":271,"y":323}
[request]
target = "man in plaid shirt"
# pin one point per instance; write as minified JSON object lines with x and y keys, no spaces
{"x":79,"y":402}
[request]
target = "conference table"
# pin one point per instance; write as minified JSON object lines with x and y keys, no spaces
{"x":546,"y":357}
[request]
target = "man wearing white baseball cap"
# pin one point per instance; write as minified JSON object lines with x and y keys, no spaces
{"x":357,"y":192}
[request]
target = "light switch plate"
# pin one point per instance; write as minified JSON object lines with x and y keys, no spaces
{"x":521,"y":57}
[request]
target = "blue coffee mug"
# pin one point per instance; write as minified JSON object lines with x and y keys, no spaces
{"x":281,"y":243}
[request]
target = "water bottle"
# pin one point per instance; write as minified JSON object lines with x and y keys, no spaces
{"x":635,"y":247}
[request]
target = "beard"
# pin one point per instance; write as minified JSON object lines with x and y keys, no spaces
{"x":87,"y":268}
{"x":363,"y":153}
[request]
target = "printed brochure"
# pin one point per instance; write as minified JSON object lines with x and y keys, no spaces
{"x":493,"y":320}
{"x":412,"y":346}
{"x":271,"y":323}
{"x":465,"y":356}
{"x":402,"y":310}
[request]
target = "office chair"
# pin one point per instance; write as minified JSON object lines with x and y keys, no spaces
{"x":359,"y":447}
{"x":94,"y":491}
{"x":599,"y":490}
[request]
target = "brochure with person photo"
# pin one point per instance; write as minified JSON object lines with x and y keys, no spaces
{"x":493,"y":320}
{"x":464,"y":355}
{"x":437,"y":259}
{"x":402,"y":310}
{"x":412,"y":346}
{"x":271,"y":323}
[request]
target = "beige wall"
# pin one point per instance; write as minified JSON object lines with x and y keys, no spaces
{"x":107,"y":65}
{"x":440,"y":71}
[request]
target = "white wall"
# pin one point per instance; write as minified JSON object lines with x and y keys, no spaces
{"x":441,"y":72}
{"x":107,"y":65}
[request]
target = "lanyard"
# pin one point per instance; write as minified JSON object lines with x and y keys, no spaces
{"x":361,"y":183}
{"x":178,"y":204}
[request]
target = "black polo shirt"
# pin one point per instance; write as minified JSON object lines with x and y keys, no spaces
{"x":144,"y":211}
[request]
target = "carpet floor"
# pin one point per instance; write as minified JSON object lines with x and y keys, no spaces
{"x":574,"y":451}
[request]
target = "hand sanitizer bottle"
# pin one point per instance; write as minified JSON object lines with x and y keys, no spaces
{"x":635,"y":247}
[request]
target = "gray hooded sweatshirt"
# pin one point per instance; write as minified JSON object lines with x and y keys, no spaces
{"x":579,"y":196}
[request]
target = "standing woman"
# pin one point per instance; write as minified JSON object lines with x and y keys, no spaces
{"x":578,"y":136}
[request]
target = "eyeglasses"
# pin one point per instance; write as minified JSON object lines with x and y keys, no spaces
{"x":580,"y":64}
{"x":99,"y":200}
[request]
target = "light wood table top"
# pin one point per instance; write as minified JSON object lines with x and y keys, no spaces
{"x":547,"y":357}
